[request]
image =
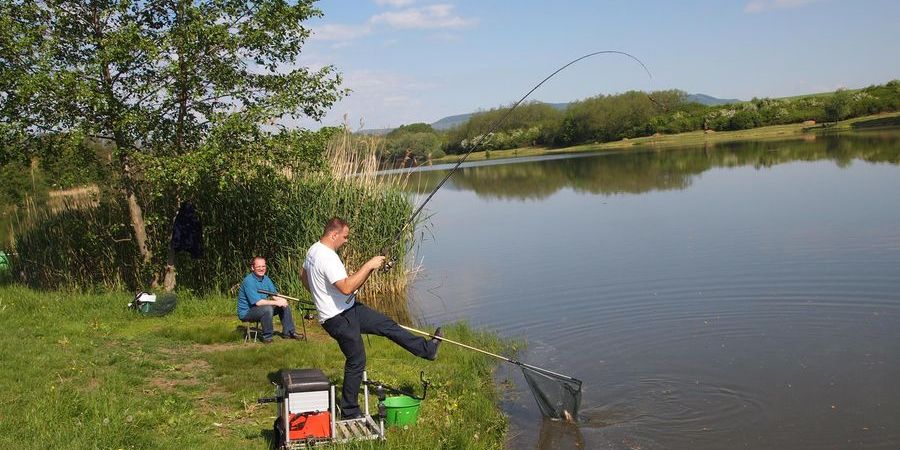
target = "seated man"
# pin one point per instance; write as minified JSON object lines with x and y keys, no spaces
{"x":253,"y":306}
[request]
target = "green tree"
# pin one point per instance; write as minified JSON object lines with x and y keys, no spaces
{"x":421,"y":145}
{"x":744,"y":119}
{"x":160,"y":80}
{"x":837,"y":107}
{"x":526,"y":116}
{"x":411,"y":128}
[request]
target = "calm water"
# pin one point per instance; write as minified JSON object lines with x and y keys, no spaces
{"x":739,"y":296}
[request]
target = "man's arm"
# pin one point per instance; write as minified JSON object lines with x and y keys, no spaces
{"x":350,"y":284}
{"x":303,"y":275}
{"x":272,"y":301}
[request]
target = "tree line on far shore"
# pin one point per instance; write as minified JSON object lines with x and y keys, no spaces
{"x":607,"y":118}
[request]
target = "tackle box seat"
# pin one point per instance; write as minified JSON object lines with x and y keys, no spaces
{"x":306,"y":390}
{"x":304,"y":380}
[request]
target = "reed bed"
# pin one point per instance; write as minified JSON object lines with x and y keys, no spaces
{"x":76,"y":247}
{"x":88,"y":245}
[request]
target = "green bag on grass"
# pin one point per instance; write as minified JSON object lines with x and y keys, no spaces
{"x":148,"y":304}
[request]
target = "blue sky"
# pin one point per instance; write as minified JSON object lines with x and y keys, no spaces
{"x":419,"y":60}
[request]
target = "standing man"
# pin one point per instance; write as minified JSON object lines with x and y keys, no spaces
{"x":252,"y":306}
{"x":345,"y":319}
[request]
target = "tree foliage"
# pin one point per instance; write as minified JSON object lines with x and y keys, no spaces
{"x":416,"y":142}
{"x":838,"y":106}
{"x":515,"y":131}
{"x":179,"y":88}
{"x":633,"y":114}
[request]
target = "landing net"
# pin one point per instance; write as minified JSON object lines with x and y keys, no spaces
{"x":558,"y":397}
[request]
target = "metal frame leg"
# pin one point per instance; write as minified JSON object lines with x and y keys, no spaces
{"x":251,"y":329}
{"x":333,"y":414}
{"x":366,"y":393}
{"x":286,"y":415}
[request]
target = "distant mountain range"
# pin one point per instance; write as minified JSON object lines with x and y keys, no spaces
{"x":451,"y":121}
{"x":709,"y":100}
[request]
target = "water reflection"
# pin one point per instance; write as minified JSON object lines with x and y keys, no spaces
{"x":737,"y":296}
{"x":642,"y":171}
{"x":559,"y":434}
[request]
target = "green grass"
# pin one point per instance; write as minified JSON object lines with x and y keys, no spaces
{"x":81,"y":371}
{"x":669,"y":141}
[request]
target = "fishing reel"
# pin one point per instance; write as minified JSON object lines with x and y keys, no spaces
{"x":389,"y":259}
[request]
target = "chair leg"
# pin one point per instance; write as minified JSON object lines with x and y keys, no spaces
{"x":303,"y":321}
{"x":251,"y":331}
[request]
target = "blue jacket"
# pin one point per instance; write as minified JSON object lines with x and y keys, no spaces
{"x":248,"y":295}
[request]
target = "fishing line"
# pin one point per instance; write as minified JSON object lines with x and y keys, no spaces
{"x":493,"y":127}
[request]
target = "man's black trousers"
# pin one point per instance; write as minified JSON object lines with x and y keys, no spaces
{"x":347,"y":329}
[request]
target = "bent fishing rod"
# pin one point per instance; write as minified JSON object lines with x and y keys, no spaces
{"x":483,"y":137}
{"x":509,"y":360}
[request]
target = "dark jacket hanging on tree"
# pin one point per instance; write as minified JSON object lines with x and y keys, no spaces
{"x":187,"y":232}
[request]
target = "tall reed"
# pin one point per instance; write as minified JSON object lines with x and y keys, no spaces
{"x":76,"y":247}
{"x":89,"y":244}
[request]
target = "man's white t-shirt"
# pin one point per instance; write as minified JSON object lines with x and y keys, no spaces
{"x":323,"y":268}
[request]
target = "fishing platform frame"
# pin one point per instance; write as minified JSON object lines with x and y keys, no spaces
{"x":342,"y":431}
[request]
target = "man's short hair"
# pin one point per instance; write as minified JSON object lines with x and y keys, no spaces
{"x":334,"y":224}
{"x":253,"y":260}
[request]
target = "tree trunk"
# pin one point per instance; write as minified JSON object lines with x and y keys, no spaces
{"x":123,"y":148}
{"x":169,"y":276}
{"x":135,"y":213}
{"x":170,"y":273}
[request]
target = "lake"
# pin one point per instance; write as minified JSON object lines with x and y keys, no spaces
{"x":734,"y":296}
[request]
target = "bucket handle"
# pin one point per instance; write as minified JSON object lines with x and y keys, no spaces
{"x":379,"y":387}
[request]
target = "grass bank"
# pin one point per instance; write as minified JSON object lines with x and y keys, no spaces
{"x":81,"y":371}
{"x":694,"y":138}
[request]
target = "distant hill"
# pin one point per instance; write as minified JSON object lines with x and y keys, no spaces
{"x":375,"y":131}
{"x":449,"y":122}
{"x":708,"y":100}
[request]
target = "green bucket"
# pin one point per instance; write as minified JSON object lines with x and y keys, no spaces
{"x":401,"y":410}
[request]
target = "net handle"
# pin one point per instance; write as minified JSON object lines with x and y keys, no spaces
{"x":509,"y":360}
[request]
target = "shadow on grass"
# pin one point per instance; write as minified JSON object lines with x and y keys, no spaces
{"x":269,"y":436}
{"x":212,"y":333}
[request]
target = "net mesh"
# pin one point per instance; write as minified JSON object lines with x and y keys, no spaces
{"x":558,"y":397}
{"x":164,"y":304}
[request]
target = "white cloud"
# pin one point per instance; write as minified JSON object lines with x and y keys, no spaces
{"x":380,"y":99}
{"x":394,"y":3}
{"x":433,"y":17}
{"x":428,"y":17}
{"x":755,"y":6}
